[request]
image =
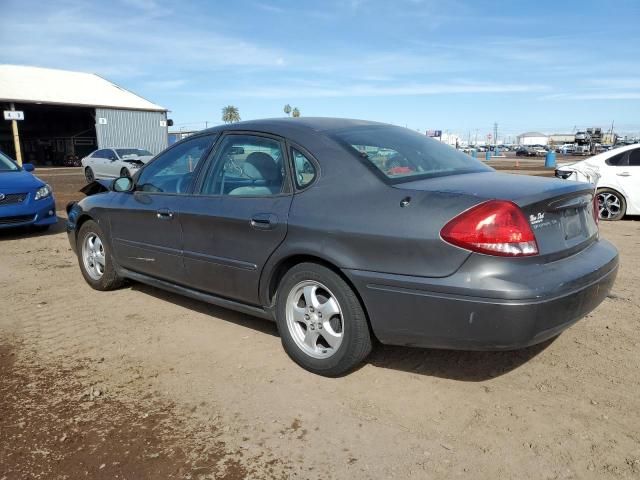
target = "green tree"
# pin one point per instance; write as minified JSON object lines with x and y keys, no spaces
{"x":295,"y":112}
{"x":230,"y":114}
{"x":287,"y":109}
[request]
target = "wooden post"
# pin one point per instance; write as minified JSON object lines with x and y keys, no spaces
{"x":16,"y":137}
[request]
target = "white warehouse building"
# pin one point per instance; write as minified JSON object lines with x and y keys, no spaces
{"x":533,"y":138}
{"x":73,"y":113}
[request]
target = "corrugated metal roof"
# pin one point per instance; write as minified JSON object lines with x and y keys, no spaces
{"x":46,"y":85}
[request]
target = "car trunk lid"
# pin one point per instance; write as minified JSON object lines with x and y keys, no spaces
{"x":559,"y":212}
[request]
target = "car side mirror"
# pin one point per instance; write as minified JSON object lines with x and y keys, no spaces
{"x":123,"y":184}
{"x":28,"y":167}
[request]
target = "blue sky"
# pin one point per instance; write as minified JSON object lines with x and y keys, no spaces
{"x":451,"y":65}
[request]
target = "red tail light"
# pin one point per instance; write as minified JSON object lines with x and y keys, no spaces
{"x":596,"y":208}
{"x":496,"y":227}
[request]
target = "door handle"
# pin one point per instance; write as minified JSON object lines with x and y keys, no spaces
{"x":264,"y":221}
{"x":623,"y":174}
{"x":164,"y":214}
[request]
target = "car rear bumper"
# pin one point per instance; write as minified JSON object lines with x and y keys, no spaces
{"x":31,"y":212}
{"x":537,"y":302}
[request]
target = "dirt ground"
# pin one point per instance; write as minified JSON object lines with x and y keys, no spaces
{"x":139,"y":383}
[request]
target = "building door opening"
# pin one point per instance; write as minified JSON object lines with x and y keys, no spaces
{"x":52,"y":135}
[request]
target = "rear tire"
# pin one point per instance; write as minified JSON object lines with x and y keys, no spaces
{"x":88,"y":174}
{"x":94,"y":257}
{"x":612,"y":204}
{"x":322,"y":324}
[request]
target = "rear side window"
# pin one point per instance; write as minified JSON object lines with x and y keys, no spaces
{"x":616,"y":160}
{"x":304,"y":168}
{"x":634,"y":158}
{"x":402,"y":155}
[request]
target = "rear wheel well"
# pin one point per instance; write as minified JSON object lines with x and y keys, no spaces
{"x":285,"y":265}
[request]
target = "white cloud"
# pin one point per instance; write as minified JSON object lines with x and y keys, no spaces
{"x":372,"y":90}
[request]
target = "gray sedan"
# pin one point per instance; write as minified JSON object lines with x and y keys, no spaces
{"x":343,"y":231}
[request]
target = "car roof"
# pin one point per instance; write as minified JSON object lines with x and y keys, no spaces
{"x":284,"y":126}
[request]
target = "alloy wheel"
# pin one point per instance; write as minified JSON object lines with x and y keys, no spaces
{"x":314,"y":319}
{"x":93,"y":256}
{"x":609,"y":205}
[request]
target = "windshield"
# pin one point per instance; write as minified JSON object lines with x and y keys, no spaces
{"x":403,"y":155}
{"x":6,"y":164}
{"x":132,"y":152}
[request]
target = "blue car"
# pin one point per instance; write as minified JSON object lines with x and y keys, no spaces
{"x":25,"y":200}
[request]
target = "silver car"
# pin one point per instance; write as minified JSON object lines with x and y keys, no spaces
{"x":114,"y":162}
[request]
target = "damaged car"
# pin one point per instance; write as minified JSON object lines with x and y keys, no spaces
{"x":616,"y":176}
{"x":114,"y":162}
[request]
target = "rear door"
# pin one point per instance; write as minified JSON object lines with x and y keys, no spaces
{"x":628,"y":176}
{"x":145,"y":224}
{"x":97,"y":163}
{"x":239,"y":216}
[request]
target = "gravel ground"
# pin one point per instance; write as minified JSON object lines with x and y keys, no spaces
{"x":139,"y":383}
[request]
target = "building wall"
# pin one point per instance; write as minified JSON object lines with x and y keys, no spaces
{"x":131,"y":128}
{"x":533,"y":140}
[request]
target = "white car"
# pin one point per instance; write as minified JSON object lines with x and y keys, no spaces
{"x":114,"y":162}
{"x":616,"y":176}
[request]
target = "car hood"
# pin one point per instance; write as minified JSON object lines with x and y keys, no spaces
{"x":521,"y":189}
{"x":18,"y":182}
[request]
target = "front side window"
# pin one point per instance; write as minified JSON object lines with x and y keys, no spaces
{"x":402,"y":155}
{"x":634,"y":158}
{"x":173,"y":170}
{"x":304,"y":169}
{"x":246,"y":165}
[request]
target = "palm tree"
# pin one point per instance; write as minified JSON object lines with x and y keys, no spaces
{"x":295,"y":112}
{"x":287,"y":109}
{"x":230,"y":114}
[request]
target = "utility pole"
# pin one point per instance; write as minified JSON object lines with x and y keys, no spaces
{"x":16,"y":137}
{"x":495,"y":134}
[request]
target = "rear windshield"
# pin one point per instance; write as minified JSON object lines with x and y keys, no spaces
{"x":6,"y":164}
{"x":402,"y":155}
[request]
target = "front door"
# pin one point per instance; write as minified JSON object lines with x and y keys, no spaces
{"x":239,"y":217}
{"x":145,"y":223}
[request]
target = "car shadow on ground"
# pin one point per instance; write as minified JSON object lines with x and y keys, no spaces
{"x":31,"y":232}
{"x":465,"y":366}
{"x":259,"y":324}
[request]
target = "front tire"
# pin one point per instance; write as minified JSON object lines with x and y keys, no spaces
{"x":94,"y":257}
{"x":322,"y":324}
{"x":125,"y":173}
{"x":88,"y":174}
{"x":611,"y":204}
